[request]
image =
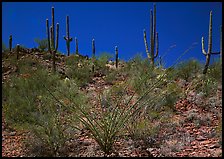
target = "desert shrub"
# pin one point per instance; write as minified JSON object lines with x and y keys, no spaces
{"x":4,"y":47}
{"x":79,"y":69}
{"x":42,"y":44}
{"x":215,"y":71}
{"x":20,"y":96}
{"x":100,"y":63}
{"x":187,"y":70}
{"x":53,"y":126}
{"x":28,"y":104}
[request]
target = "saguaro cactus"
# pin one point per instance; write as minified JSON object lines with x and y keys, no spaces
{"x":51,"y":39}
{"x":209,"y":52}
{"x":17,"y":51}
{"x":116,"y":53}
{"x":10,"y":43}
{"x":153,"y":38}
{"x":67,"y":38}
{"x":93,"y":56}
{"x":221,"y":43}
{"x":76,"y":46}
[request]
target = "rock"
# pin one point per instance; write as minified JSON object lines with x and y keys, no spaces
{"x":200,"y":138}
{"x":214,"y":146}
{"x":12,"y":133}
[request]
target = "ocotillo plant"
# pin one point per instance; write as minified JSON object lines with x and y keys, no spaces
{"x":50,"y":36}
{"x":76,"y":46}
{"x":209,"y":52}
{"x":17,"y":51}
{"x":10,"y":43}
{"x":93,"y":56}
{"x":153,"y":38}
{"x":116,"y":53}
{"x":67,"y":38}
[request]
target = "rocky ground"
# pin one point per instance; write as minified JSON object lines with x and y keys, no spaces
{"x":192,"y":132}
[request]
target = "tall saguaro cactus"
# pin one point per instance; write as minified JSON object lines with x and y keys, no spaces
{"x":52,"y":47}
{"x":10,"y":43}
{"x":221,"y":43}
{"x":209,"y":52}
{"x":67,"y":38}
{"x":93,"y":56}
{"x":154,"y":41}
{"x":116,"y":54}
{"x":76,"y":46}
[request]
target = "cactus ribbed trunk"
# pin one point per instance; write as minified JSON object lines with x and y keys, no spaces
{"x":54,"y":61}
{"x":221,"y":43}
{"x":76,"y":46}
{"x":48,"y":35}
{"x":53,"y":32}
{"x":67,"y":38}
{"x":153,"y":38}
{"x":116,"y":53}
{"x":10,"y":43}
{"x":52,"y":47}
{"x":17,"y":51}
{"x":209,"y":52}
{"x":93,"y":56}
{"x":57,"y":37}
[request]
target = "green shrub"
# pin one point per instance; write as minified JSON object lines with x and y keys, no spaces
{"x":4,"y":48}
{"x":215,"y":71}
{"x":188,"y":70}
{"x":42,"y":44}
{"x":100,"y":63}
{"x":20,"y":95}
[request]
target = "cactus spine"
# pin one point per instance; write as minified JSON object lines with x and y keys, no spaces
{"x":116,"y":53}
{"x":17,"y":51}
{"x":153,"y":38}
{"x":67,"y":38}
{"x":10,"y":43}
{"x":93,"y":56}
{"x":76,"y":46}
{"x":52,"y":47}
{"x":209,"y":52}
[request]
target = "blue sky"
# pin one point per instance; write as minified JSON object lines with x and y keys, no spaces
{"x":116,"y":23}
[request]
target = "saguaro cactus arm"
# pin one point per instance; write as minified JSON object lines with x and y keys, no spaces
{"x":157,"y":45}
{"x":53,"y":32}
{"x":57,"y":36}
{"x":221,"y":43}
{"x":203,"y":46}
{"x":146,"y":44}
{"x":48,"y":35}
